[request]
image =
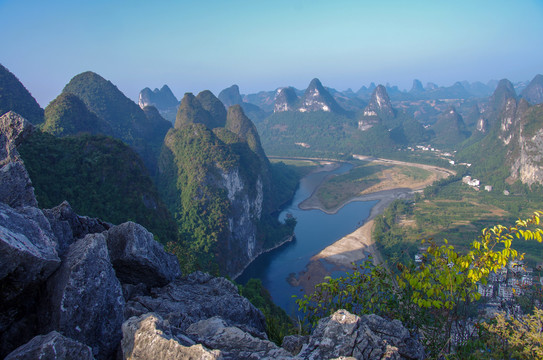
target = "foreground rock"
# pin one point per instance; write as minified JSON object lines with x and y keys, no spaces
{"x":138,"y":258}
{"x":68,"y":226}
{"x":150,"y":337}
{"x":234,"y":342}
{"x":366,"y":337}
{"x":51,"y":346}
{"x":27,"y":251}
{"x":198,"y":297}
{"x":85,"y":298}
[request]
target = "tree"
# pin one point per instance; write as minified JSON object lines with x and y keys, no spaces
{"x":434,"y":298}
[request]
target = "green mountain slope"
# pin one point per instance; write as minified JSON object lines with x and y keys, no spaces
{"x":127,"y":121}
{"x":99,"y":176}
{"x":68,"y":115}
{"x":15,"y":97}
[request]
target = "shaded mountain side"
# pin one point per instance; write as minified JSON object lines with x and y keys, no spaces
{"x":238,"y":123}
{"x":214,"y":107}
{"x":127,"y":121}
{"x":533,"y":93}
{"x":68,"y":115}
{"x":231,"y":96}
{"x":99,"y":176}
{"x":449,"y":129}
{"x":285,"y":100}
{"x":15,"y":97}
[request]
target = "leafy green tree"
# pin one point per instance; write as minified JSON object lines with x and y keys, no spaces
{"x":436,"y":297}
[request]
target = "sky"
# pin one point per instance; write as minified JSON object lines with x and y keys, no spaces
{"x":262,"y":45}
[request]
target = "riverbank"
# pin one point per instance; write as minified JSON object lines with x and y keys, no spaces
{"x":358,"y":245}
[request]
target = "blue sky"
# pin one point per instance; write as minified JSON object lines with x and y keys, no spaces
{"x":262,"y":45}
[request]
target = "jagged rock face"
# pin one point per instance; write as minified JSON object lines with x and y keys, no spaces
{"x":230,"y":96}
{"x":526,"y":145}
{"x":85,"y":300}
{"x":162,"y":99}
{"x":533,"y":93}
{"x":68,"y":115}
{"x":27,"y":250}
{"x":285,"y":100}
{"x":13,"y":130}
{"x":15,"y":97}
{"x":52,"y":346}
{"x":317,"y":98}
{"x":366,"y":337}
{"x":150,"y":337}
{"x":233,"y":342}
{"x":198,"y":297}
{"x":138,"y":258}
{"x":67,"y":225}
{"x":16,"y":189}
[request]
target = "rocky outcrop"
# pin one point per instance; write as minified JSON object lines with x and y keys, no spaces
{"x":27,"y":250}
{"x":150,"y":337}
{"x":138,"y":258}
{"x":233,"y":342}
{"x":85,"y":300}
{"x":68,"y":226}
{"x":52,"y":346}
{"x":366,"y":337}
{"x":198,"y":297}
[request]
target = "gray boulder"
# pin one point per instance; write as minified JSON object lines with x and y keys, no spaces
{"x":150,"y":337}
{"x":233,"y":342}
{"x":27,"y":250}
{"x":198,"y":297}
{"x":138,"y":258}
{"x":366,"y":337}
{"x":13,"y":130}
{"x":68,"y":226}
{"x":294,"y":343}
{"x":15,"y":186}
{"x":85,"y":300}
{"x":51,"y":347}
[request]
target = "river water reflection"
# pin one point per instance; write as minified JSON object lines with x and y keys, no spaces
{"x":314,"y":231}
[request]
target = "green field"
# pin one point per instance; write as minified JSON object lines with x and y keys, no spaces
{"x":457,"y":213}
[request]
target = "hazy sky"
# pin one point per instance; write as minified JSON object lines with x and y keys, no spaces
{"x":262,"y":45}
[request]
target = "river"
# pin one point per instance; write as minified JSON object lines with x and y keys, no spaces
{"x":314,"y":231}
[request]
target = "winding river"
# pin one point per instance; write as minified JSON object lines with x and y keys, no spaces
{"x":314,"y":231}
